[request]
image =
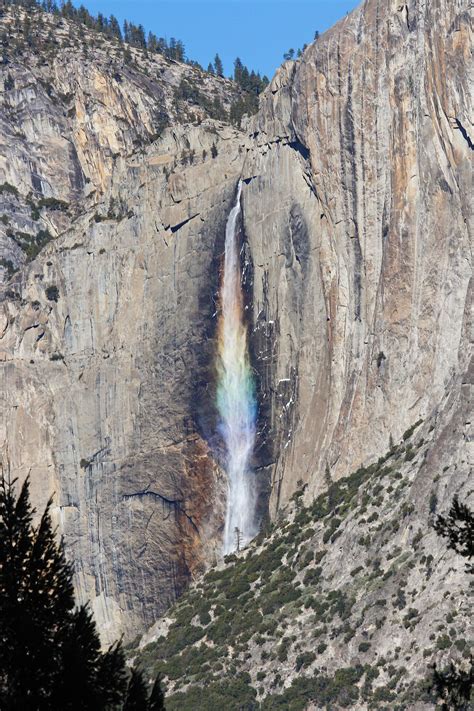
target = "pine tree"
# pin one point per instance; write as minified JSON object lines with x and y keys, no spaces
{"x":454,"y":685}
{"x":218,"y":66}
{"x":50,"y":656}
{"x":68,"y":10}
{"x":126,"y":31}
{"x":156,"y":701}
{"x":140,"y":37}
{"x":152,"y":42}
{"x":458,"y":527}
{"x":114,"y":28}
{"x":238,"y":69}
{"x":137,"y":696}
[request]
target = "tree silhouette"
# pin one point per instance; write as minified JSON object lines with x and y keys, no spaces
{"x":137,"y":695}
{"x":156,"y":701}
{"x":50,"y":655}
{"x":454,"y":684}
{"x":218,"y":66}
{"x":458,"y":527}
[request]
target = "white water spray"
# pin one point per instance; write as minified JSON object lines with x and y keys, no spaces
{"x":236,"y":395}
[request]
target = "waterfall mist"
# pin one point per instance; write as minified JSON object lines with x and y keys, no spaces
{"x":236,"y":399}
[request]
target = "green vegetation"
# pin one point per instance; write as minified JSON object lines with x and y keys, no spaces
{"x":31,"y":244}
{"x":458,"y":527}
{"x":188,"y":91}
{"x":9,"y":267}
{"x":218,"y":66}
{"x":233,"y":693}
{"x":408,"y":433}
{"x":9,"y":188}
{"x":131,"y":34}
{"x":252,"y":607}
{"x":304,"y":660}
{"x":52,"y":203}
{"x":252,"y":84}
{"x":341,"y":689}
{"x":279,"y":606}
{"x":453,"y":685}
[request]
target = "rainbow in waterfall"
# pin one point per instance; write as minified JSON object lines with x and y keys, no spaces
{"x":236,"y":399}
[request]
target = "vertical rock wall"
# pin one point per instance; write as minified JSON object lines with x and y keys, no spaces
{"x":107,"y":380}
{"x":357,"y":216}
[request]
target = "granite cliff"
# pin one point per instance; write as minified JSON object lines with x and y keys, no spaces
{"x":356,"y":257}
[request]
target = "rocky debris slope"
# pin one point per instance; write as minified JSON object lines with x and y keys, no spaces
{"x":75,"y":106}
{"x":356,"y":260}
{"x":336,"y":608}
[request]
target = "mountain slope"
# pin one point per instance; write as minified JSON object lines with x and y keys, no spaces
{"x":357,"y":264}
{"x":346,"y":604}
{"x":75,"y":106}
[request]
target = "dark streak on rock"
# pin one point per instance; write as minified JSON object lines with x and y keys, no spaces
{"x":464,"y":134}
{"x":297,"y":146}
{"x":176,"y":504}
{"x":175,"y":228}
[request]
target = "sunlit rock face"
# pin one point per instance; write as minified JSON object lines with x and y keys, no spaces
{"x":108,"y":383}
{"x":355,"y":271}
{"x":356,"y":215}
{"x":71,"y":116}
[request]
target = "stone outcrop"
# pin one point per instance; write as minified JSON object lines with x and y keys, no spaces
{"x":73,"y":113}
{"x":357,"y":266}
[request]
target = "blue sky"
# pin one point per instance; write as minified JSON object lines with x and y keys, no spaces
{"x":258,"y":31}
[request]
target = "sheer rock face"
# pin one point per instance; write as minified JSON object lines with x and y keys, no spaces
{"x":357,"y":220}
{"x":355,"y":208}
{"x":107,"y":381}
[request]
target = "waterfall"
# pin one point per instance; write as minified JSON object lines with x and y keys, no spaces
{"x":236,"y":400}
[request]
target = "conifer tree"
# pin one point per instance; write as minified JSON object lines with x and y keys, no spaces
{"x":137,"y":696}
{"x":218,"y":66}
{"x":238,"y":69}
{"x":156,"y":701}
{"x":458,"y":527}
{"x":50,"y":656}
{"x":152,"y":42}
{"x":454,"y":685}
{"x":114,"y":28}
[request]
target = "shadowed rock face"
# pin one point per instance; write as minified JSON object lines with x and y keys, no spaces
{"x":355,"y":234}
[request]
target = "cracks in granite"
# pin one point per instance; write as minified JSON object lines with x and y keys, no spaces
{"x":176,"y":504}
{"x":464,"y":134}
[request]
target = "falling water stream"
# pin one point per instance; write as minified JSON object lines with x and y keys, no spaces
{"x":236,"y":394}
